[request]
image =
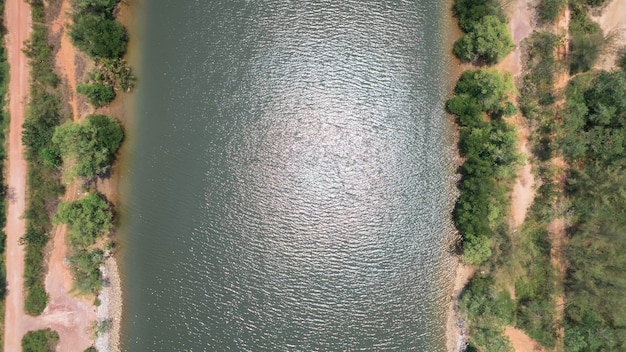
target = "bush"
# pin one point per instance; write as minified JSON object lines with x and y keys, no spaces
{"x":488,"y":42}
{"x":471,"y":12}
{"x":40,"y":341}
{"x":87,"y":219}
{"x":586,"y":42}
{"x":91,"y":145}
{"x":488,"y":310}
{"x":488,"y":146}
{"x":548,"y":10}
{"x":85,"y":266}
{"x":98,"y":35}
{"x":95,"y":6}
{"x":98,"y":94}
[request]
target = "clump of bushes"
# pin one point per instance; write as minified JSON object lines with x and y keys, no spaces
{"x":487,"y":39}
{"x":488,"y":310}
{"x":548,"y":10}
{"x":95,"y":30}
{"x":98,"y":94}
{"x":88,"y":219}
{"x":40,"y":341}
{"x":91,"y":145}
{"x":487,"y":143}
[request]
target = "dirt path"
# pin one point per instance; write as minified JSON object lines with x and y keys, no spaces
{"x":66,"y":56}
{"x":523,"y":193}
{"x":520,"y":341}
{"x":520,"y":25}
{"x":17,"y":16}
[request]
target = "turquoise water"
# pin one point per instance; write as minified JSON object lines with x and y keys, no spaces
{"x":289,"y":180}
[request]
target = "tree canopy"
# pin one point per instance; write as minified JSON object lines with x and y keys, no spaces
{"x":87,"y":218}
{"x":90,"y":145}
{"x":488,"y":41}
{"x":98,"y":35}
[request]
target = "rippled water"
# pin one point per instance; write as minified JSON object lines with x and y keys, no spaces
{"x":289,"y":180}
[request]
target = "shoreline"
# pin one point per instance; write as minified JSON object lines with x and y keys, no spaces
{"x":520,"y":24}
{"x":73,"y":317}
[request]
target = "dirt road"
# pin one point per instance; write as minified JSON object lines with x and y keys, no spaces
{"x":18,"y":20}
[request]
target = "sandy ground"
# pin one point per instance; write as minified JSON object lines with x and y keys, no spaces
{"x":18,"y":22}
{"x":520,"y":341}
{"x":612,"y":20}
{"x":456,"y":338}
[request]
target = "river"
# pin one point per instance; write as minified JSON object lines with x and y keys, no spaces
{"x":289,"y":177}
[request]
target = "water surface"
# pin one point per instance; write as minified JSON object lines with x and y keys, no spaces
{"x":289,"y":181}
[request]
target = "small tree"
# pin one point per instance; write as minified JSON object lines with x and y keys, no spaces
{"x":98,"y":36}
{"x":91,"y":145}
{"x":87,"y":218}
{"x":489,"y":41}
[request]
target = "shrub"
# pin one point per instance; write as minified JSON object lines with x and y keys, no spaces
{"x":586,"y":42}
{"x":98,"y":94}
{"x":85,"y":266}
{"x":40,"y":341}
{"x":548,"y":10}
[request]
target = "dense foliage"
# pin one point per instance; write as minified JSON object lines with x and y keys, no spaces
{"x":488,"y":42}
{"x":90,"y":145}
{"x":98,"y":94}
{"x":487,"y":38}
{"x":487,"y":143}
{"x":95,"y":31}
{"x":592,"y":138}
{"x":40,"y":341}
{"x":471,"y":12}
{"x":87,"y":219}
{"x":549,"y":10}
{"x":488,"y":310}
{"x":43,"y":186}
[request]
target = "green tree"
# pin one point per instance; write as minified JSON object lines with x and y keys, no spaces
{"x":488,"y":87}
{"x":489,"y":41}
{"x":98,"y":36}
{"x":471,"y":12}
{"x":87,"y":218}
{"x":91,"y":145}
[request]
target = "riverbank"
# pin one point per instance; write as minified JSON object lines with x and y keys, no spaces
{"x":534,"y":256}
{"x":72,"y":316}
{"x":520,"y":25}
